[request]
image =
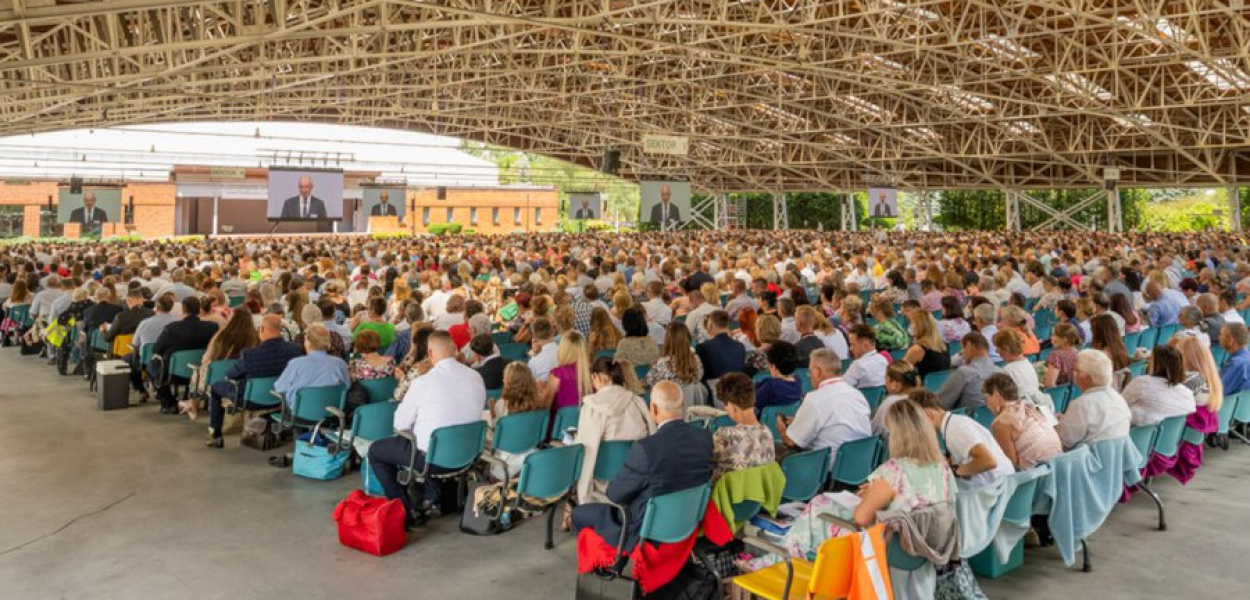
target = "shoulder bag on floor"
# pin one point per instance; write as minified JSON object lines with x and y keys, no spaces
{"x":371,"y":525}
{"x":318,"y":458}
{"x":257,"y":434}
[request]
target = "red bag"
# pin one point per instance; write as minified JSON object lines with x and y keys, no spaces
{"x":371,"y":525}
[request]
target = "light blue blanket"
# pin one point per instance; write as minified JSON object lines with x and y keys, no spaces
{"x":1085,"y":483}
{"x":982,"y":514}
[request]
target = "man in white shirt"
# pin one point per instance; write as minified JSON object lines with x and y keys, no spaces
{"x":698,"y":314}
{"x":832,"y":414}
{"x":178,"y":288}
{"x":740,"y":300}
{"x":41,"y":304}
{"x":868,"y":369}
{"x":1228,"y":308}
{"x":436,"y":304}
{"x":544,"y":357}
{"x":1099,"y":413}
{"x":449,"y":394}
{"x":985,"y":317}
{"x":789,"y":329}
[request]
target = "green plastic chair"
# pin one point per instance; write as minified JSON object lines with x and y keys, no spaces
{"x":380,"y":390}
{"x":453,"y":450}
{"x":1138,"y":369}
{"x":1165,"y":334}
{"x":805,"y":474}
{"x":673,"y":517}
{"x":216,"y":370}
{"x":97,"y":343}
{"x":565,"y":418}
{"x":933,"y":381}
{"x":719,"y":423}
{"x":1241,"y":414}
{"x":846,"y":364}
{"x":1219,"y":354}
{"x":515,"y":352}
{"x":549,"y":474}
{"x":310,"y":406}
{"x":521,"y":432}
{"x":1019,"y":510}
{"x":897,"y":355}
{"x":954,"y":347}
{"x":611,"y":458}
{"x":1225,"y":417}
{"x":180,"y":362}
{"x":873,"y":395}
{"x":20,"y":314}
{"x":805,"y":379}
{"x":1149,"y":338}
{"x":373,"y":422}
{"x":1169,"y":440}
{"x":145,"y":353}
{"x":760,"y":375}
{"x":236,"y":301}
{"x":984,"y":416}
{"x":606,"y":353}
{"x":1146,"y":438}
{"x":1132,"y":341}
{"x":770,"y":413}
{"x":256,"y":392}
{"x":641,"y":371}
{"x":501,"y":337}
{"x":855,"y":461}
{"x":1059,"y":397}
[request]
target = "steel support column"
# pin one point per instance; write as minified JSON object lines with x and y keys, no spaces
{"x":1013,"y":209}
{"x":848,"y":213}
{"x":1234,"y":207}
{"x":781,"y":215}
{"x":1115,"y":218}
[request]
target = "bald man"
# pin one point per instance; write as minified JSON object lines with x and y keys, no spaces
{"x":675,"y":458}
{"x":268,"y":359}
{"x":88,"y":215}
{"x":665,"y":212}
{"x":305,"y":205}
{"x":383,"y":208}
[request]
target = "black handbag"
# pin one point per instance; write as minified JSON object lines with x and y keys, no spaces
{"x":484,"y":517}
{"x":606,"y":586}
{"x":31,"y":349}
{"x":693,"y":582}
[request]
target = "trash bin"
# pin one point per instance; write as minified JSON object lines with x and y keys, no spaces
{"x":113,"y":384}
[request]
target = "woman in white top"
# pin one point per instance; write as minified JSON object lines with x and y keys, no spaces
{"x":900,"y":379}
{"x":613,"y":412}
{"x":1162,"y":392}
{"x":973,"y":451}
{"x":1023,"y":372}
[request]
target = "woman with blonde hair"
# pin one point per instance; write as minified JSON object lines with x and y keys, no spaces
{"x":767,"y":333}
{"x":1014,"y":318}
{"x":829,"y":334}
{"x":603,"y":334}
{"x":929,"y":353}
{"x":519,"y":395}
{"x":569,"y":382}
{"x":1203,"y":378}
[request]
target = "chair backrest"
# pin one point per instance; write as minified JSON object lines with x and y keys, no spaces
{"x":565,"y":418}
{"x":374,"y":421}
{"x":21,"y":315}
{"x":1241,"y":413}
{"x":514,"y":351}
{"x":257,"y":389}
{"x":1138,"y":369}
{"x":984,"y":416}
{"x":455,"y":447}
{"x":121,"y":344}
{"x":1132,"y":341}
{"x":180,"y":362}
{"x":897,"y":355}
{"x":1165,"y":333}
{"x":1143,"y":438}
{"x":236,"y":301}
{"x":1059,"y":397}
{"x":899,"y":559}
{"x":611,"y":458}
{"x":1169,"y":440}
{"x":97,"y":341}
{"x":1149,"y":338}
{"x":805,"y":379}
{"x":805,"y":474}
{"x":673,"y":517}
{"x":640,"y":371}
{"x":831,"y":574}
{"x":1020,"y":506}
{"x":1219,"y":354}
{"x":1230,"y":405}
{"x":873,"y":395}
{"x":381,"y":389}
{"x":954,"y":347}
{"x":145,"y":353}
{"x":720,"y":422}
{"x":856,"y":460}
{"x":501,"y":337}
{"x":217,"y":370}
{"x":933,"y":381}
{"x":310,"y":403}
{"x":606,"y":353}
{"x":551,"y":473}
{"x":521,"y":432}
{"x":769,"y":417}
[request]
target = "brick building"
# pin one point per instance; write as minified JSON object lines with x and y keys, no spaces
{"x":206,"y":200}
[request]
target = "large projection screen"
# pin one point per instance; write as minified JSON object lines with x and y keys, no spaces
{"x":384,"y":201}
{"x":665,"y":203}
{"x":305,"y":195}
{"x":105,"y":207}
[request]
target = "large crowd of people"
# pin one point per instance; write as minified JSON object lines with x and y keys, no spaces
{"x":911,"y":336}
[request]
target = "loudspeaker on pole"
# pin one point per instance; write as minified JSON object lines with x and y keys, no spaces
{"x":611,"y":161}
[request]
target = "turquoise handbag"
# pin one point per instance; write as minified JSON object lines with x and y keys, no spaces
{"x":318,"y":459}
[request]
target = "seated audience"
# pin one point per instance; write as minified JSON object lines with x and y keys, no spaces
{"x":1099,"y":413}
{"x":832,"y":414}
{"x":488,"y":363}
{"x":519,"y":395}
{"x":317,"y":368}
{"x":721,"y":354}
{"x":781,"y":387}
{"x":614,"y":412}
{"x":370,"y":364}
{"x":637,"y":347}
{"x":916,"y":474}
{"x":900,"y":379}
{"x":190,"y":333}
{"x":678,"y":361}
{"x":268,"y":359}
{"x":747,"y":444}
{"x":974,"y":453}
{"x":929,"y":353}
{"x":868,"y":368}
{"x":1064,"y":341}
{"x":1162,"y":392}
{"x":963,"y":388}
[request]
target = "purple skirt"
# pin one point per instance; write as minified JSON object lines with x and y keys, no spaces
{"x":1188,"y":459}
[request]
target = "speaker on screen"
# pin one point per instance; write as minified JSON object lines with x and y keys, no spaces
{"x":442,"y":192}
{"x":75,"y":185}
{"x":611,"y":161}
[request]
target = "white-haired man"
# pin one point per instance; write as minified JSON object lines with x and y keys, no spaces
{"x":1099,"y":413}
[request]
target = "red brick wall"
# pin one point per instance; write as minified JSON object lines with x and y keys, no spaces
{"x":154,"y":206}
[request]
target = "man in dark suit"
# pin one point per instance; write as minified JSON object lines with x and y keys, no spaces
{"x":268,"y":359}
{"x":721,"y":354}
{"x":383,"y":208}
{"x":188,"y":334}
{"x":585,"y":211}
{"x":882,"y":207}
{"x":127,"y":321}
{"x":305,"y":205}
{"x":88,"y":215}
{"x":491,"y":365}
{"x":675,"y":458}
{"x":664,"y":213}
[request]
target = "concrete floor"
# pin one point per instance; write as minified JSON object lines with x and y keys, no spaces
{"x":129,"y":504}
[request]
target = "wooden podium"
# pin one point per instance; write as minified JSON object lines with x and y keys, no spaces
{"x":390,"y":224}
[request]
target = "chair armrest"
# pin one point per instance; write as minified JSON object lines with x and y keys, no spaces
{"x":412,"y":458}
{"x":760,"y":543}
{"x":489,"y":458}
{"x":840,"y":522}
